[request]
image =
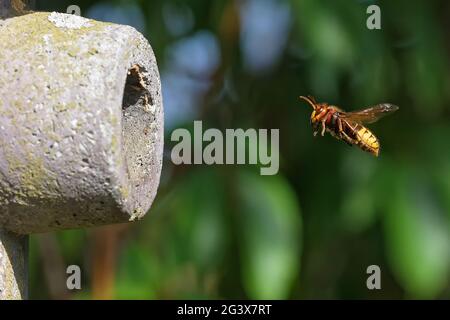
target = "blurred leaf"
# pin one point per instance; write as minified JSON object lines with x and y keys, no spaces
{"x":137,"y":273}
{"x":72,"y":243}
{"x":417,"y":240}
{"x":325,"y":31}
{"x":270,"y":231}
{"x":435,"y":159}
{"x":358,"y":203}
{"x":193,"y":235}
{"x":200,"y":227}
{"x":36,"y":278}
{"x":358,"y":210}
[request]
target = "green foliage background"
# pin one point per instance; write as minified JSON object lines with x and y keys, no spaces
{"x":312,"y":230}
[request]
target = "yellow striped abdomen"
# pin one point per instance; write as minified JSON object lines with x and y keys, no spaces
{"x":367,"y":141}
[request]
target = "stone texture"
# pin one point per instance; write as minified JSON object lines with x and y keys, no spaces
{"x":81,"y":123}
{"x":13,"y":266}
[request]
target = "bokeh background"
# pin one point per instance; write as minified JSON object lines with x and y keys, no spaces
{"x":312,"y":230}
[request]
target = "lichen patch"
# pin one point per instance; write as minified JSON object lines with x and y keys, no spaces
{"x":68,"y":21}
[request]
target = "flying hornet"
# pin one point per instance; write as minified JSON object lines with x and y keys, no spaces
{"x":348,"y":126}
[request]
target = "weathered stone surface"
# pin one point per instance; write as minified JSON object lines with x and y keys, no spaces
{"x":13,"y":266}
{"x":81,"y":123}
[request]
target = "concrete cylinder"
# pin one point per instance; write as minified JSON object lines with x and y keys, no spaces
{"x":13,"y":266}
{"x":81,"y":123}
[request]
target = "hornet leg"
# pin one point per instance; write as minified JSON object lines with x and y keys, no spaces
{"x":342,"y":133}
{"x":321,"y":117}
{"x":323,"y":127}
